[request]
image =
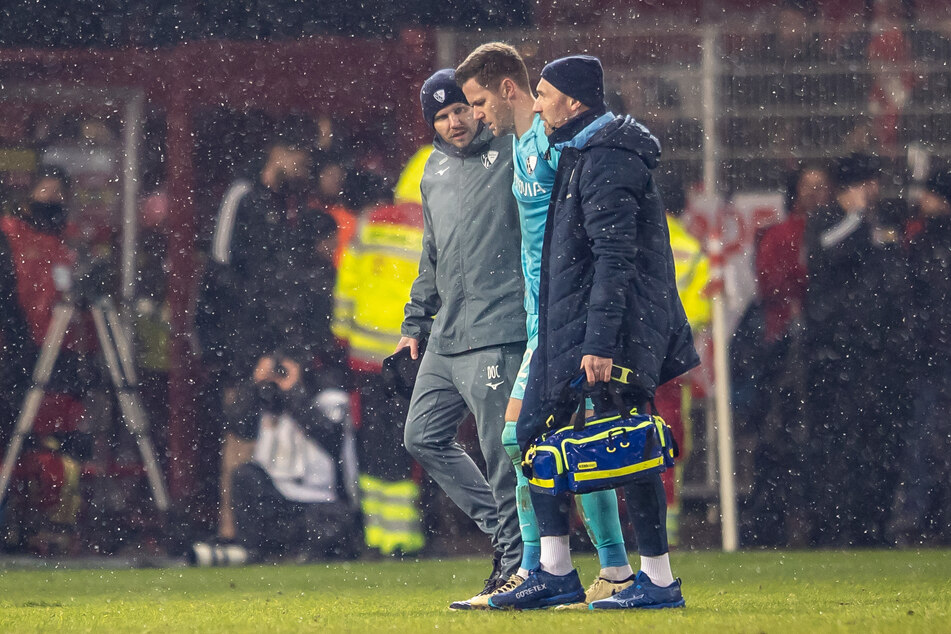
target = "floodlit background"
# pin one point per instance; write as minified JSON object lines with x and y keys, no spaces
{"x":156,"y":110}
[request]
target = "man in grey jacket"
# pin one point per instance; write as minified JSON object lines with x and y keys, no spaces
{"x":467,"y":305}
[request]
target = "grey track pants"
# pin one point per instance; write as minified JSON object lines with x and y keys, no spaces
{"x":447,"y":388}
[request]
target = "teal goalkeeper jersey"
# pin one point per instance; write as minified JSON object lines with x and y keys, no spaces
{"x":532,"y":185}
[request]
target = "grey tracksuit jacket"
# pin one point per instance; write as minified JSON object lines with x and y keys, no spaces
{"x":470,"y":279}
{"x":470,"y":275}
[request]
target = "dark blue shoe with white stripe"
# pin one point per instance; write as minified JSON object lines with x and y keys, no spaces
{"x":541,"y":590}
{"x":644,"y":595}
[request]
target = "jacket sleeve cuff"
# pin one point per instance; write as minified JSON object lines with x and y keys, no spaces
{"x":414,"y":331}
{"x":597,"y":350}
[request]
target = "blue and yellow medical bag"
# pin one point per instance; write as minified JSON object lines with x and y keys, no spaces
{"x":602,"y":452}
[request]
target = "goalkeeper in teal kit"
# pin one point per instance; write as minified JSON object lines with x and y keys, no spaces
{"x":496,"y":84}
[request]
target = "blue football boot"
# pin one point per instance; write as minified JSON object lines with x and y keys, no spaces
{"x":541,"y":590}
{"x":643,"y":594}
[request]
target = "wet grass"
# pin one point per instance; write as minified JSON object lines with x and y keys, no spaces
{"x":822,"y":591}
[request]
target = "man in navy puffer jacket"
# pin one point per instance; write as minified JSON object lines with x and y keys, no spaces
{"x":608,"y":299}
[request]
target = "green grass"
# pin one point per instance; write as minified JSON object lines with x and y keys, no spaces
{"x":866,"y":591}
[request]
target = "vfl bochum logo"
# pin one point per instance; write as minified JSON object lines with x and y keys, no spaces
{"x":489,"y":158}
{"x":532,"y":162}
{"x":440,"y":95}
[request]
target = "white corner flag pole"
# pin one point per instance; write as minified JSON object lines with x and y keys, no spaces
{"x":721,"y":373}
{"x":724,"y":416}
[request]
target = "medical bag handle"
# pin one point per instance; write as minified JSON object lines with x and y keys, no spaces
{"x":619,"y":375}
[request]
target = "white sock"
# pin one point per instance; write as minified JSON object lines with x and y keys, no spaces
{"x":522,"y":573}
{"x":556,"y":556}
{"x":658,"y":569}
{"x":617,"y":573}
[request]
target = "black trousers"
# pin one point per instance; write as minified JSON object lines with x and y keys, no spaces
{"x":269,"y":524}
{"x":646,"y":506}
{"x":855,"y":436}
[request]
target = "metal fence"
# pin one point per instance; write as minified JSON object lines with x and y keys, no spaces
{"x":736,"y":105}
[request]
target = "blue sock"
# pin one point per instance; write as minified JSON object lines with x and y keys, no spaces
{"x":527,"y":522}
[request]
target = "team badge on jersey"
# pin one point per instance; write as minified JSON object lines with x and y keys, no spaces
{"x":531,"y":163}
{"x":489,"y":158}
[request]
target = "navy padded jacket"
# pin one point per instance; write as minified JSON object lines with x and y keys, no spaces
{"x":608,"y":286}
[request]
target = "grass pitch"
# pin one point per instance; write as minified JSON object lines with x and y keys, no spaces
{"x":822,"y":591}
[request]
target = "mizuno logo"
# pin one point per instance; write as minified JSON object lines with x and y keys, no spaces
{"x":442,"y":171}
{"x":494,"y":386}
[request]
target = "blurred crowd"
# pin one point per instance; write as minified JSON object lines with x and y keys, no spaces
{"x":309,"y":240}
{"x":841,"y":364}
{"x":301,"y":301}
{"x":302,"y":196}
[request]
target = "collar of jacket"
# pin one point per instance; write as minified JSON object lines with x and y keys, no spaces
{"x":576,"y":132}
{"x":481,"y":139}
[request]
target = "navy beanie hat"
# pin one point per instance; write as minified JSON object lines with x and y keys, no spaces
{"x":440,"y":91}
{"x":578,"y":76}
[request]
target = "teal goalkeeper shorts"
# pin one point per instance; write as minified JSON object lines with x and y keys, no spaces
{"x":521,"y":379}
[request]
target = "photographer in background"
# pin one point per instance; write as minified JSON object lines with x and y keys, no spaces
{"x":264,"y":323}
{"x":36,"y":265}
{"x":295,"y":496}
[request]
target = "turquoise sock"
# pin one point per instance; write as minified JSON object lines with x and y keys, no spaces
{"x":531,"y":542}
{"x":599,"y":511}
{"x":531,"y":556}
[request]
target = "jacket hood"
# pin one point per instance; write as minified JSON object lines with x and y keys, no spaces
{"x":482,"y":138}
{"x":627,"y":134}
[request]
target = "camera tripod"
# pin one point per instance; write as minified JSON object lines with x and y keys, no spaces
{"x":117,"y":354}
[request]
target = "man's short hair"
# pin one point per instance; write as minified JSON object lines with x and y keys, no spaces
{"x":490,"y":63}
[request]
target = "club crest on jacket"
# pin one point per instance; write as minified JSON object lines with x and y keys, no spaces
{"x":489,"y":158}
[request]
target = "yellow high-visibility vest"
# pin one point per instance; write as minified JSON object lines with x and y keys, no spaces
{"x":391,"y":515}
{"x":692,"y":268}
{"x":374,"y":279}
{"x":407,"y":187}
